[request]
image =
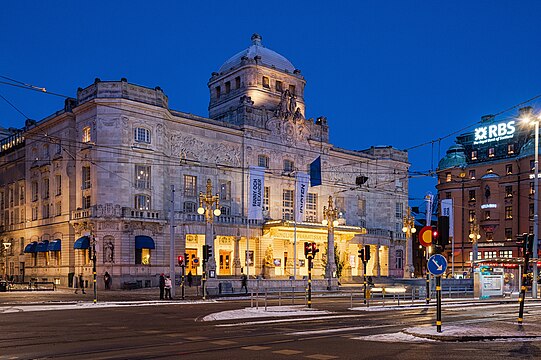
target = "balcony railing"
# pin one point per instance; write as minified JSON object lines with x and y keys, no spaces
{"x":110,"y":211}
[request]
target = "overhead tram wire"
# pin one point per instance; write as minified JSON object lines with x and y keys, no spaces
{"x":13,"y":106}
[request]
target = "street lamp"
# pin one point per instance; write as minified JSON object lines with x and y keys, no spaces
{"x":330,"y":219}
{"x":7,"y":245}
{"x":409,"y":229}
{"x":528,"y":117}
{"x":206,"y":203}
{"x":474,"y":236}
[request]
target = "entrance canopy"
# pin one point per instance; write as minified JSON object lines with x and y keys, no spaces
{"x":82,"y":243}
{"x":31,"y":248}
{"x":144,"y":242}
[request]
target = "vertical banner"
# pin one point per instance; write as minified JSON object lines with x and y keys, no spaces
{"x":315,"y":172}
{"x":256,"y":185}
{"x":447,"y":210}
{"x":301,"y":192}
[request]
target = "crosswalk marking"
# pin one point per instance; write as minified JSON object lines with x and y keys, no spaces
{"x":256,"y":348}
{"x":287,"y":352}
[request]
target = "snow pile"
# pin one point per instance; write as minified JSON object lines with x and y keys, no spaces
{"x":272,"y":311}
{"x":393,"y":338}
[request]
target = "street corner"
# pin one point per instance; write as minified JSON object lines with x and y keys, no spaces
{"x":263,"y":312}
{"x":474,"y":333}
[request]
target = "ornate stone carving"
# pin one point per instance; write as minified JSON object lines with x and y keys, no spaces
{"x":188,"y":147}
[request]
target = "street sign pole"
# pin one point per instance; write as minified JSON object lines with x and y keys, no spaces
{"x":183,"y":269}
{"x":524,"y":278}
{"x":365,"y":283}
{"x":310,"y":280}
{"x":437,"y":266}
{"x":438,"y":304}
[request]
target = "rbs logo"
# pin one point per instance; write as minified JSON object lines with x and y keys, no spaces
{"x":492,"y":133}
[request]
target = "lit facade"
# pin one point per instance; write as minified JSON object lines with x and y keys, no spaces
{"x":103,"y":167}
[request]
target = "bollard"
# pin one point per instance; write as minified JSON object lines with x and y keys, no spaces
{"x":251,"y":299}
{"x":265,"y":299}
{"x":280,"y":296}
{"x":383,"y":296}
{"x":351,"y":300}
{"x":412,"y":294}
{"x":293,"y":295}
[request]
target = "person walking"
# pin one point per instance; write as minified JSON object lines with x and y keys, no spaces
{"x":81,"y":284}
{"x":244,"y":282}
{"x":190,"y":279}
{"x":107,"y":280}
{"x":75,"y":283}
{"x":168,"y":285}
{"x":162,"y":285}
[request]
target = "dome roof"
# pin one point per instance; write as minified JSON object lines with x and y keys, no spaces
{"x":268,"y":57}
{"x":455,"y":157}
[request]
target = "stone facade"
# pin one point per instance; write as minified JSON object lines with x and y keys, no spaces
{"x":104,"y":166}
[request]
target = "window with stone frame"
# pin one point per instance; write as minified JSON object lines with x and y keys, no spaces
{"x":509,"y":169}
{"x":86,"y":201}
{"x":472,"y":174}
{"x":508,"y":191}
{"x":532,"y":188}
{"x":227,"y":87}
{"x":142,"y":202}
{"x":311,"y":207}
{"x":509,"y":212}
{"x":471,"y":195}
{"x":289,"y":165}
{"x":58,"y":208}
{"x":361,"y":206}
{"x":510,"y":149}
{"x":2,"y":204}
{"x":142,"y":176}
{"x":34,"y":213}
{"x":489,"y":235}
{"x":287,"y":204}
{"x":22,"y":194}
{"x":35,"y":191}
{"x":190,"y":185}
{"x":45,"y":188}
{"x":225,"y":190}
{"x":189,"y":207}
{"x":266,"y":199}
{"x":237,"y":82}
{"x":266,"y":82}
{"x":279,"y":86}
{"x":491,"y":152}
{"x":86,"y":135}
{"x":263,"y":161}
{"x":399,"y":210}
{"x":23,"y":215}
{"x":292,"y":89}
{"x":448,"y":177}
{"x":474,"y":155}
{"x":530,"y":211}
{"x":45,"y":211}
{"x":85,"y":177}
{"x":11,"y":197}
{"x":399,"y":259}
{"x":487,"y":214}
{"x":218,"y":92}
{"x":226,"y":210}
{"x":142,"y":135}
{"x":58,"y":185}
{"x":508,"y":233}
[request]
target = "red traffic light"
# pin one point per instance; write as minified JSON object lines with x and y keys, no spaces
{"x":180,"y":259}
{"x":314,"y":248}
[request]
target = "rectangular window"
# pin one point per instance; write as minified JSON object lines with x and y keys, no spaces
{"x":532,"y":166}
{"x":508,"y":212}
{"x":86,"y":202}
{"x":532,"y":189}
{"x":142,"y":256}
{"x":489,"y":235}
{"x":227,"y":87}
{"x":506,"y":254}
{"x":1,"y":200}
{"x":218,"y":92}
{"x":225,"y":190}
{"x":142,"y":176}
{"x":23,"y":215}
{"x":489,"y":254}
{"x":189,"y":207}
{"x":266,"y":199}
{"x":263,"y":161}
{"x":142,"y":135}
{"x":22,"y":194}
{"x":530,"y":211}
{"x":266,"y":82}
{"x":509,"y":191}
{"x":11,"y":197}
{"x":58,"y":208}
{"x":190,"y":185}
{"x":472,"y":174}
{"x":58,"y":185}
{"x":142,"y":202}
{"x":45,"y":189}
{"x":490,"y":171}
{"x":279,"y":86}
{"x":85,"y":175}
{"x":491,"y":152}
{"x":510,"y":149}
{"x":508,"y":169}
{"x":35,"y":191}
{"x":86,"y":135}
{"x":399,"y":259}
{"x":34,"y":213}
{"x":474,"y":155}
{"x":448,"y":177}
{"x":447,"y":194}
{"x":45,"y":212}
{"x":292,"y":89}
{"x":471,"y":195}
{"x":361,"y":207}
{"x":508,"y":233}
{"x":399,"y":210}
{"x":237,"y":82}
{"x":287,"y":205}
{"x":289,"y":166}
{"x":478,"y":255}
{"x":487,"y":214}
{"x":311,"y":207}
{"x":226,"y":210}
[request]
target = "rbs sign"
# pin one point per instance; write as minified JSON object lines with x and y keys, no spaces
{"x":497,"y":132}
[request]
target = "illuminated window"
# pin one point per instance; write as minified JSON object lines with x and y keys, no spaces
{"x":279,"y":86}
{"x":263,"y":161}
{"x":478,"y":255}
{"x":487,"y":214}
{"x":474,"y":155}
{"x":506,"y":253}
{"x":86,"y":134}
{"x":532,"y":189}
{"x":472,"y":174}
{"x":266,"y":82}
{"x":490,"y":171}
{"x":509,"y":191}
{"x":489,"y":254}
{"x":287,"y":205}
{"x":227,"y":87}
{"x":471,"y":216}
{"x":190,"y":185}
{"x":142,"y":256}
{"x":289,"y":166}
{"x":508,"y":169}
{"x":491,"y":152}
{"x":311,"y":207}
{"x":142,"y":202}
{"x":142,"y":176}
{"x":471,"y":195}
{"x":510,"y":149}
{"x":532,"y":165}
{"x":508,"y":212}
{"x":448,"y":177}
{"x":508,"y":233}
{"x":142,"y":135}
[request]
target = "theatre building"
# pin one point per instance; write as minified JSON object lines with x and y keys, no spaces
{"x":103,"y":168}
{"x":486,"y":182}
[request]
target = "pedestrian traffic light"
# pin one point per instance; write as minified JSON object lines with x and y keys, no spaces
{"x":366,"y":252}
{"x":443,"y":231}
{"x":209,"y":251}
{"x":361,"y":254}
{"x":180,"y":259}
{"x":530,"y":240}
{"x":315,"y":250}
{"x":307,"y":248}
{"x":205,"y":252}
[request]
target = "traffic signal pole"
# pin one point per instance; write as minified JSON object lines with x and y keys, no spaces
{"x":438,"y":304}
{"x":526,"y":253}
{"x":365,"y":283}
{"x":310,"y":256}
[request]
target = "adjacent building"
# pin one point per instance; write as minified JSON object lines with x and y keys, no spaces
{"x":114,"y":161}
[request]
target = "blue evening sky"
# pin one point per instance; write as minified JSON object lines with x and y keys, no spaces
{"x":397,"y":73}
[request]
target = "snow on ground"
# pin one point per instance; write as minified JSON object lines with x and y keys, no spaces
{"x":272,"y":311}
{"x":470,"y":331}
{"x":87,"y":305}
{"x":393,"y":338}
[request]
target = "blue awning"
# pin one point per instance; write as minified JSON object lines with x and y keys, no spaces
{"x":144,"y":242}
{"x":55,"y":245}
{"x":42,"y":246}
{"x":31,"y":248}
{"x":82,"y":243}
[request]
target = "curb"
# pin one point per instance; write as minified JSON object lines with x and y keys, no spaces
{"x":466,"y":338}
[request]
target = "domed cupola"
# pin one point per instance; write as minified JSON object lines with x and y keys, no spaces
{"x":455,"y":157}
{"x":256,"y":83}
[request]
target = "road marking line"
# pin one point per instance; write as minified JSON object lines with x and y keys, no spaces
{"x":174,"y":335}
{"x":256,"y":348}
{"x":321,"y":357}
{"x":287,"y":352}
{"x":312,"y":332}
{"x":197,"y":338}
{"x":223,"y":342}
{"x":315,"y":318}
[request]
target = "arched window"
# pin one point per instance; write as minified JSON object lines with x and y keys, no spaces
{"x":142,"y":135}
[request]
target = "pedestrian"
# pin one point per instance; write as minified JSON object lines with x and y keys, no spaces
{"x":81,"y":284}
{"x":162,"y":285}
{"x":190,"y":279}
{"x":107,"y":280}
{"x":244,"y":282}
{"x":168,"y":285}
{"x":75,"y":283}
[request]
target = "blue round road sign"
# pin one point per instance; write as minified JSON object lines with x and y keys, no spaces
{"x":437,"y":264}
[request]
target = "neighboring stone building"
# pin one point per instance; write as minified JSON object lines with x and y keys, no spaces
{"x":103,"y":168}
{"x":488,"y":176}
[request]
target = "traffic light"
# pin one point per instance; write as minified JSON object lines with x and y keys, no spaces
{"x":443,"y":231}
{"x":530,"y":241}
{"x":361,"y":254}
{"x":315,"y":250}
{"x":366,"y":252}
{"x":307,"y":249}
{"x":209,"y":251}
{"x":205,"y":252}
{"x":180,"y":259}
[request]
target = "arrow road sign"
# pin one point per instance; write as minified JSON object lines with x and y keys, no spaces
{"x":437,"y":264}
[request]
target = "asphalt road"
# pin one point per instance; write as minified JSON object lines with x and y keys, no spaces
{"x":176,"y":332}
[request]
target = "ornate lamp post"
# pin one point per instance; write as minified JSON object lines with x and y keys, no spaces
{"x":7,"y":246}
{"x":409,"y":230}
{"x":474,"y":237}
{"x":206,"y":203}
{"x":330,"y":216}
